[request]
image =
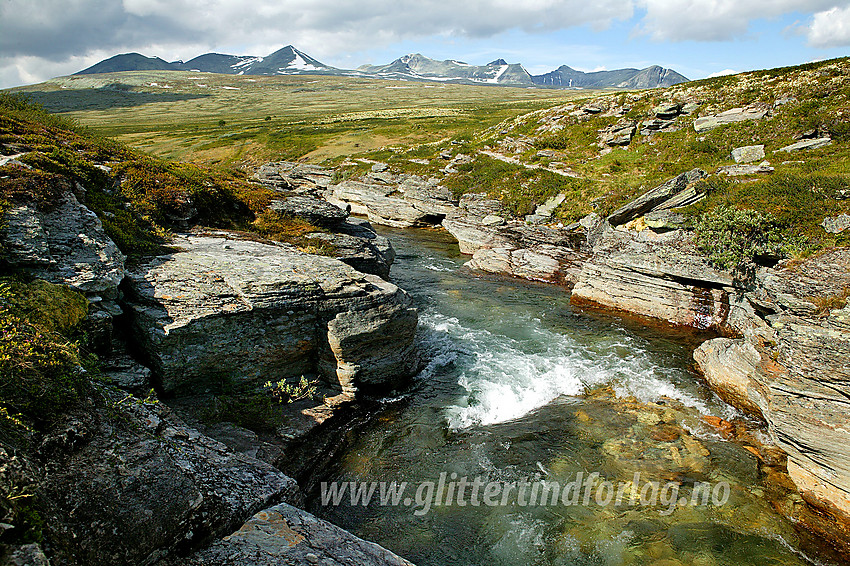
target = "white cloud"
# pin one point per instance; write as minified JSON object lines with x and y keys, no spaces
{"x":56,"y":30}
{"x":39,"y":38}
{"x":830,"y":28}
{"x":715,"y":20}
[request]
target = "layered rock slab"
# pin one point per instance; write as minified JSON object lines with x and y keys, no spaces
{"x":657,"y":275}
{"x":791,"y":367}
{"x":234,"y":311}
{"x":64,"y":244}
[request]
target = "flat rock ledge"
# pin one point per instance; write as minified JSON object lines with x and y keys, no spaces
{"x":286,"y":535}
{"x":234,"y":310}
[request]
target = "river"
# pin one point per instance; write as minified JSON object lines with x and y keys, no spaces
{"x":522,"y":389}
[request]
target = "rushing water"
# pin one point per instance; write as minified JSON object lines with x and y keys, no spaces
{"x":520,"y":387}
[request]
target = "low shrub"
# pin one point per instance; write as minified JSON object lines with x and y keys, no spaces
{"x":40,"y":374}
{"x":733,"y":237}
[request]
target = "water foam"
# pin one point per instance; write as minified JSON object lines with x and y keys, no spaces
{"x":505,"y":378}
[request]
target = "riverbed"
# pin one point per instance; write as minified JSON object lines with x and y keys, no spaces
{"x":521,"y":389}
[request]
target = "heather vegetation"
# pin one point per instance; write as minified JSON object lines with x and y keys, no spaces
{"x":139,"y":198}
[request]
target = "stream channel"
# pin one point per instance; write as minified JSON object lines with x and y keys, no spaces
{"x":522,"y":388}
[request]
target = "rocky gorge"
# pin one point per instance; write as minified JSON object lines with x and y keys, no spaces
{"x":784,"y":359}
{"x":217,"y":309}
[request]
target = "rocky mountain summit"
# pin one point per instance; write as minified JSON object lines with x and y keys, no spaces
{"x":285,"y":61}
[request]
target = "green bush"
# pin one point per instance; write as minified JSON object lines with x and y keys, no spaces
{"x":733,"y":238}
{"x":40,"y":374}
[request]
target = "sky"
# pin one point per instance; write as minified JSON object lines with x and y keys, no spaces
{"x":41,"y":39}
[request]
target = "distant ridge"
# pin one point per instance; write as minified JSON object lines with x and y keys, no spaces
{"x":286,"y":61}
{"x":128,"y":62}
{"x":415,"y":67}
{"x":651,"y":77}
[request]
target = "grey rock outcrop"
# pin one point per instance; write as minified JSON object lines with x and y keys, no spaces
{"x":286,"y":535}
{"x":480,"y":205}
{"x":552,"y":264}
{"x":658,"y":275}
{"x":316,"y":211}
{"x":791,"y":368}
{"x":662,"y":220}
{"x":226,"y":309}
{"x":517,"y":249}
{"x":618,"y":134}
{"x":676,"y":192}
{"x":472,"y":235}
{"x":706,"y":123}
{"x":357,"y":244}
{"x":65,"y":244}
{"x":129,"y":483}
{"x":288,"y":175}
{"x":400,"y":201}
{"x":739,"y":170}
{"x":836,"y":224}
{"x":374,"y":201}
{"x":668,"y":110}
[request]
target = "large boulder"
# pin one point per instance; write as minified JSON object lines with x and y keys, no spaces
{"x":226,"y":310}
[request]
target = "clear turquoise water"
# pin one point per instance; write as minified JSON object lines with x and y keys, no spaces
{"x":522,"y":387}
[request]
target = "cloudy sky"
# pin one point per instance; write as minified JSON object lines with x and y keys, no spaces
{"x":40,"y":39}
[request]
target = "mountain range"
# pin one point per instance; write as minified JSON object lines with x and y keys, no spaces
{"x":415,"y":67}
